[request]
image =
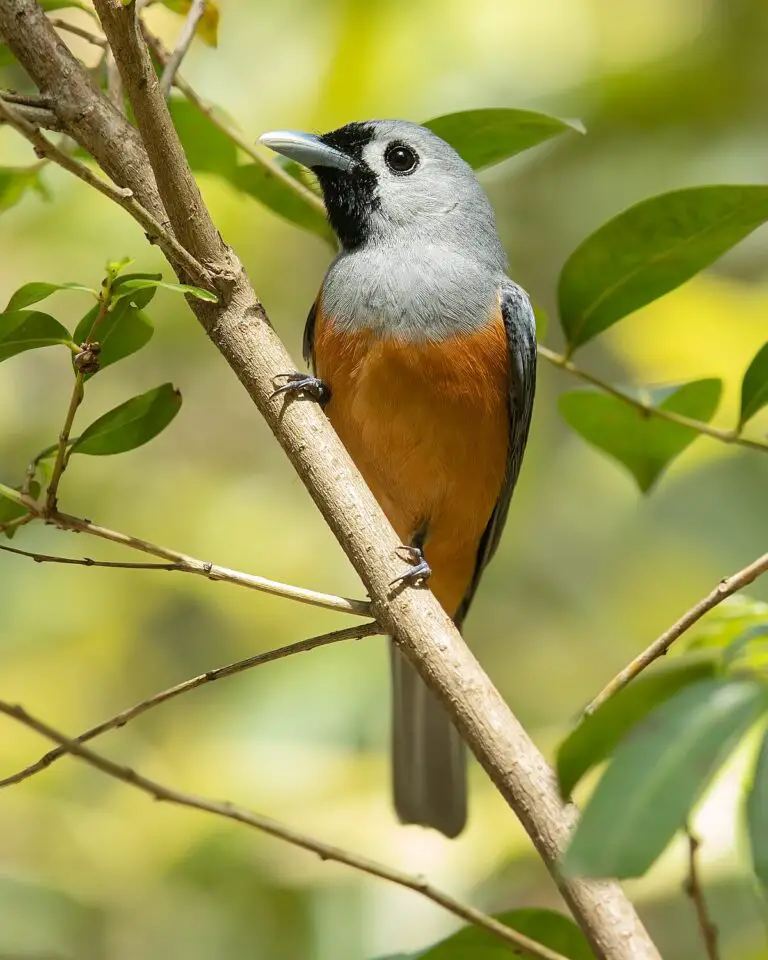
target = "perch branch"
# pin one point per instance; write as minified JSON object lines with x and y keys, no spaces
{"x":660,"y":645}
{"x":124,"y":717}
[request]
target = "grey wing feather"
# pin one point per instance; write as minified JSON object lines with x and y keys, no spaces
{"x":308,"y":345}
{"x":520,"y":326}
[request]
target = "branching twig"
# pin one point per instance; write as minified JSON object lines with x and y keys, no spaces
{"x":179,"y":561}
{"x":33,"y":109}
{"x":230,"y":811}
{"x":725,"y":436}
{"x":73,"y":28}
{"x":120,"y":720}
{"x":695,"y":891}
{"x":660,"y":645}
{"x":81,"y":561}
{"x":172,"y":64}
{"x":123,"y":196}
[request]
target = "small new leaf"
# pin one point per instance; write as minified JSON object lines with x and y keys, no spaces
{"x":650,"y":249}
{"x":657,"y":775}
{"x":754,"y":386}
{"x":485,"y":137}
{"x":597,"y":735}
{"x":645,"y":444}
{"x":132,"y":424}
{"x":22,"y":330}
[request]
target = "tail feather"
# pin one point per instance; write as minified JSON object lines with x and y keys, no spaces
{"x":429,"y":757}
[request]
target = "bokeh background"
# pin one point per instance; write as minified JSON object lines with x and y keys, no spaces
{"x":672,"y":94}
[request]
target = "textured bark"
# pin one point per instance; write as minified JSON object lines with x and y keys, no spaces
{"x":239,"y":328}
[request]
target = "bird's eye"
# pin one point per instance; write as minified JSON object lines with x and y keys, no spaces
{"x":400,"y":159}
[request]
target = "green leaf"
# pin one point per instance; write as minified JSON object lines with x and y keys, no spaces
{"x":547,"y":927}
{"x":22,"y":330}
{"x":644,"y":443}
{"x":132,"y":424}
{"x":14,"y":183}
{"x":128,"y":286}
{"x":12,"y":510}
{"x":597,"y":735}
{"x":650,"y":249}
{"x":485,"y":137}
{"x":727,"y":622}
{"x":115,"y":267}
{"x":658,"y":774}
{"x":260,"y":183}
{"x":208,"y":149}
{"x":754,"y":386}
{"x":51,"y":5}
{"x":208,"y":27}
{"x":35,"y":292}
{"x":123,"y":331}
{"x":142,"y":297}
{"x":757,"y":815}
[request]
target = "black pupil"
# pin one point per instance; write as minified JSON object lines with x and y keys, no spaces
{"x":400,"y":159}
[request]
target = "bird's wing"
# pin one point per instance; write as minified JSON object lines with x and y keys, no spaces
{"x":308,"y":345}
{"x":520,"y":327}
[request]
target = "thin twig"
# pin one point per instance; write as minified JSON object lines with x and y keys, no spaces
{"x":230,"y":811}
{"x":660,"y":645}
{"x":82,"y":561}
{"x":120,"y":719}
{"x":34,"y":110}
{"x":695,"y":891}
{"x":114,"y":81}
{"x":73,"y":28}
{"x":183,"y":562}
{"x":725,"y":436}
{"x":162,"y":54}
{"x":172,"y":64}
{"x":156,"y":232}
{"x":59,"y":465}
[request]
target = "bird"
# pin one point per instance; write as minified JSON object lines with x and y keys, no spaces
{"x":423,"y":356}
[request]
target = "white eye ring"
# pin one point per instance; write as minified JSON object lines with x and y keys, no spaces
{"x":401,"y":159}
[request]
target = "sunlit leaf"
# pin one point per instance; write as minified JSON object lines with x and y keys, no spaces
{"x":35,"y":292}
{"x":130,"y":286}
{"x":658,"y":774}
{"x":754,"y":386}
{"x":597,"y":735}
{"x":22,"y":330}
{"x":141,"y":298}
{"x":485,"y":137}
{"x":116,"y":267}
{"x":260,"y":183}
{"x":644,"y":443}
{"x":728,"y":621}
{"x":208,"y":149}
{"x":546,"y":927}
{"x":132,"y":424}
{"x":757,"y":815}
{"x":208,"y":27}
{"x":124,"y":330}
{"x":14,"y":183}
{"x":650,"y":249}
{"x":51,"y":5}
{"x":749,"y":651}
{"x":12,"y":510}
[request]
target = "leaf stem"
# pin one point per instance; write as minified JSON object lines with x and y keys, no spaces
{"x":695,"y":891}
{"x":725,"y":436}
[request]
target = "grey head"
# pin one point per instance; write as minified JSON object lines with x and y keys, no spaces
{"x":420,"y":253}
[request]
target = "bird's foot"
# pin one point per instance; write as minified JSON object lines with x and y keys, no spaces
{"x":420,"y":571}
{"x":303,"y":383}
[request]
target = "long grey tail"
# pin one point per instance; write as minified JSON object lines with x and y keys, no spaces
{"x":429,"y":757}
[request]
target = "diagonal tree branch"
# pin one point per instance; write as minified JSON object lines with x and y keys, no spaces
{"x":229,"y":811}
{"x":125,"y":716}
{"x":195,"y":15}
{"x":239,"y":328}
{"x":726,"y":588}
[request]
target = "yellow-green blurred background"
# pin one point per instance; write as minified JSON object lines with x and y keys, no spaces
{"x":673,"y":94}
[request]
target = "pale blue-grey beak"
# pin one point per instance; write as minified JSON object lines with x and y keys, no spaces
{"x":306,"y":149}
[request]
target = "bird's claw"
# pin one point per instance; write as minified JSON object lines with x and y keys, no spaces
{"x":420,"y":571}
{"x":297,"y":382}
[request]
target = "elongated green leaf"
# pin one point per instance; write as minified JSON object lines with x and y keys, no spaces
{"x":51,"y":5}
{"x":645,"y":444}
{"x":757,"y":815}
{"x":754,"y":386}
{"x":123,"y":331}
{"x":596,"y":736}
{"x":22,"y":330}
{"x":650,"y":249}
{"x":727,"y":622}
{"x":658,"y":774}
{"x":258,"y":182}
{"x":546,"y":927}
{"x":485,"y":137}
{"x":208,"y":149}
{"x":129,"y":287}
{"x":142,"y":297}
{"x":132,"y":424}
{"x":14,"y":183}
{"x":35,"y":292}
{"x":12,"y":510}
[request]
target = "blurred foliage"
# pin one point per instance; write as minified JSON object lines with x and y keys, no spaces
{"x":673,"y":97}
